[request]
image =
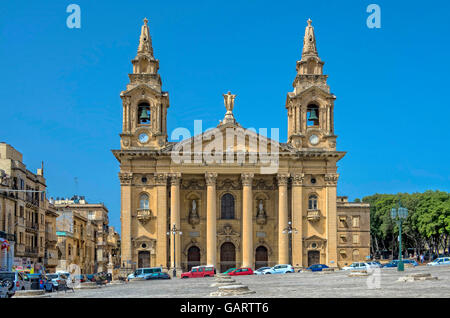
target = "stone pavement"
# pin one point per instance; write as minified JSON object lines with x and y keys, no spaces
{"x":334,"y":284}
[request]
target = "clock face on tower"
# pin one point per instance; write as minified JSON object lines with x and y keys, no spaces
{"x":143,"y":138}
{"x":314,"y":140}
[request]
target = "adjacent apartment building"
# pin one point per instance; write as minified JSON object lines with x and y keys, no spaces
{"x":92,"y":218}
{"x":23,"y":207}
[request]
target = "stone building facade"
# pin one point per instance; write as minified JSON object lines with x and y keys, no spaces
{"x":231,"y":209}
{"x":76,"y":245}
{"x":51,"y":239}
{"x":96,"y":215}
{"x":24,"y":215}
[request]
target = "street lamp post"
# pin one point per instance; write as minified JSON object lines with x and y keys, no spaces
{"x":174,"y":231}
{"x":399,"y":215}
{"x":289,"y":230}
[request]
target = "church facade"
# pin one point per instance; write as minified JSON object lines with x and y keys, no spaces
{"x":230,"y":197}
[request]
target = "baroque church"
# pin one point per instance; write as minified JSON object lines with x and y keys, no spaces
{"x":224,"y":208}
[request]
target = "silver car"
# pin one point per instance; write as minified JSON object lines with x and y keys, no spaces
{"x":440,"y":261}
{"x":13,"y":281}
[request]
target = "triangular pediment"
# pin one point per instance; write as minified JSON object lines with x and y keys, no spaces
{"x":143,"y":238}
{"x":231,"y":137}
{"x":143,"y":87}
{"x":314,"y":238}
{"x":311,"y":91}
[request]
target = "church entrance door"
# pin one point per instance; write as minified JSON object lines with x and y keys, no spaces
{"x":313,"y":258}
{"x":143,"y":259}
{"x":261,"y":257}
{"x":227,"y":256}
{"x":193,"y":257}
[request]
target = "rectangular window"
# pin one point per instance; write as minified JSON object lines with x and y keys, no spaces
{"x":355,"y":238}
{"x":342,"y":221}
{"x":355,"y":221}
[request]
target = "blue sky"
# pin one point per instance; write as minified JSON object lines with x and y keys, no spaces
{"x":60,"y":87}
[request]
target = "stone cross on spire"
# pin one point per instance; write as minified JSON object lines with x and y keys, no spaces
{"x":309,"y":42}
{"x":145,"y":41}
{"x":228,"y":100}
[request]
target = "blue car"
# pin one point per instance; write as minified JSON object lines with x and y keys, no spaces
{"x":157,"y":275}
{"x":394,"y":263}
{"x":39,"y":281}
{"x":316,"y":267}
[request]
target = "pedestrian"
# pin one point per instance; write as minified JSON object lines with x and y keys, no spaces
{"x":421,"y":258}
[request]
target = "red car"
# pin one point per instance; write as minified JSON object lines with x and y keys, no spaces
{"x":200,"y":271}
{"x":241,"y":271}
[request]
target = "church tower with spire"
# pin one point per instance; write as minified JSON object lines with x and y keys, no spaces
{"x":144,"y":103}
{"x":310,"y":106}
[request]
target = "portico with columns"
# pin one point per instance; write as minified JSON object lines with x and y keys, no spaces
{"x":231,"y":210}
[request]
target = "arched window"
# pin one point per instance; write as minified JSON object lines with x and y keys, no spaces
{"x":144,"y":202}
{"x":143,"y":113}
{"x":227,"y":206}
{"x":313,"y":115}
{"x":312,"y":202}
{"x":355,"y":255}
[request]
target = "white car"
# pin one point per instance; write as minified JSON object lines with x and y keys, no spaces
{"x":260,"y":271}
{"x":356,"y":266}
{"x":280,"y":269}
{"x":440,"y":261}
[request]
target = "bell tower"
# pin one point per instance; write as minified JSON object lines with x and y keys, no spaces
{"x":310,"y":106}
{"x":144,"y":103}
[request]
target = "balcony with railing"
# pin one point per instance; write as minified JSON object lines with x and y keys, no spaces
{"x":30,"y":225}
{"x":19,"y":249}
{"x":313,"y":215}
{"x":144,"y":215}
{"x":50,"y":236}
{"x":31,"y":250}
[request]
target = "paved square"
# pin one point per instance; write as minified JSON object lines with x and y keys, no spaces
{"x":335,"y":284}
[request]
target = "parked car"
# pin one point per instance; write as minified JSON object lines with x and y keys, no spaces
{"x":440,"y":261}
{"x":157,"y":275}
{"x":316,"y":268}
{"x":57,"y":278}
{"x":229,"y":270}
{"x":280,"y":269}
{"x":13,"y":281}
{"x":393,"y":263}
{"x":241,"y":271}
{"x":81,"y":277}
{"x":142,"y":272}
{"x":90,"y":277}
{"x":39,"y":281}
{"x":260,"y":271}
{"x":373,"y":264}
{"x":355,"y":266}
{"x":411,"y":262}
{"x":199,"y":271}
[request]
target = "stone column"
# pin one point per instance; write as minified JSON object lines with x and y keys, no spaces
{"x":125,"y":216}
{"x":247,"y":220}
{"x":211,"y":216}
{"x":283,"y":239}
{"x":297,"y":219}
{"x":331,"y":213}
{"x":175,"y":179}
{"x":161,"y":219}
